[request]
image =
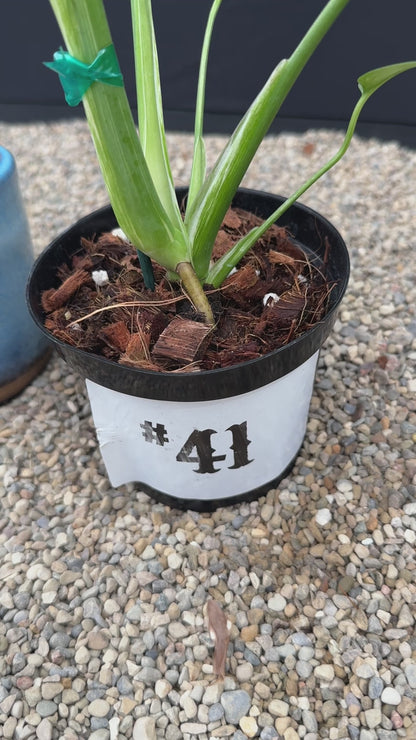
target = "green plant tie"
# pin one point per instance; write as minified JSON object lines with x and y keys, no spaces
{"x":76,"y":77}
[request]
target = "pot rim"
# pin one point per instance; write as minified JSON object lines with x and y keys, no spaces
{"x":203,"y":385}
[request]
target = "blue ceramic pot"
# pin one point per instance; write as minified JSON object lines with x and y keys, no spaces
{"x":23,"y":349}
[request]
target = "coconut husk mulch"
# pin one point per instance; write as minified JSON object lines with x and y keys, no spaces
{"x":274,"y":296}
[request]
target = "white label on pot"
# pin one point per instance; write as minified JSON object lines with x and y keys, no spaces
{"x":204,"y":449}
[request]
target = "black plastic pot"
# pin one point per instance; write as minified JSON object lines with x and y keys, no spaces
{"x":206,"y":392}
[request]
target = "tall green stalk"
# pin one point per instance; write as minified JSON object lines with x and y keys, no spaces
{"x":136,"y":203}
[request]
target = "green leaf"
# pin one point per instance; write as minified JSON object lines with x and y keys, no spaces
{"x":368,"y":83}
{"x":206,"y":212}
{"x":208,"y":209}
{"x":371,"y":81}
{"x":149,"y":104}
{"x":199,"y":158}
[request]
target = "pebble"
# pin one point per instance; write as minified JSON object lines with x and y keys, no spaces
{"x":97,"y":640}
{"x":323,"y":517}
{"x":193,"y":728}
{"x":9,"y":727}
{"x":249,"y":633}
{"x":364,"y":670}
{"x":277,"y":603}
{"x":177,"y":630}
{"x":291,"y":734}
{"x":373,"y":716}
{"x":110,"y":607}
{"x":303,"y":669}
{"x":249,"y":726}
{"x":190,"y":707}
{"x":38,"y":571}
{"x":46,"y":708}
{"x":309,"y":721}
{"x":268,"y":733}
{"x":215,"y":712}
{"x":375,"y":687}
{"x":390,"y":696}
{"x":396,"y":720}
{"x":51,"y":689}
{"x":278,"y":708}
{"x":102,"y":591}
{"x":244,"y":672}
{"x":162,"y":688}
{"x":82,"y":655}
{"x":212,"y":694}
{"x":124,"y":686}
{"x":324,"y":672}
{"x":174,"y":561}
{"x":236,"y":704}
{"x":144,"y":729}
{"x":99,"y":708}
{"x":44,"y":730}
{"x":410,"y":673}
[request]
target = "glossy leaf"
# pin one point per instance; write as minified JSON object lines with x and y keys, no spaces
{"x":368,"y":83}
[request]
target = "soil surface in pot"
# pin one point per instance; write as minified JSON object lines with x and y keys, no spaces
{"x":275,"y":295}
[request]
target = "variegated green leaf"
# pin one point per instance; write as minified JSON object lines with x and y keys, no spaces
{"x":149,"y":104}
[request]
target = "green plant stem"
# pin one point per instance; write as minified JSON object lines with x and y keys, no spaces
{"x":312,"y":39}
{"x":192,"y":288}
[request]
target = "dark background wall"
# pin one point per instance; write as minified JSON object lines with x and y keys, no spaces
{"x":250,"y":37}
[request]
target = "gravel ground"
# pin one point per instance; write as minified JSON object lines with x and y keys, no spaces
{"x":102,"y":633}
